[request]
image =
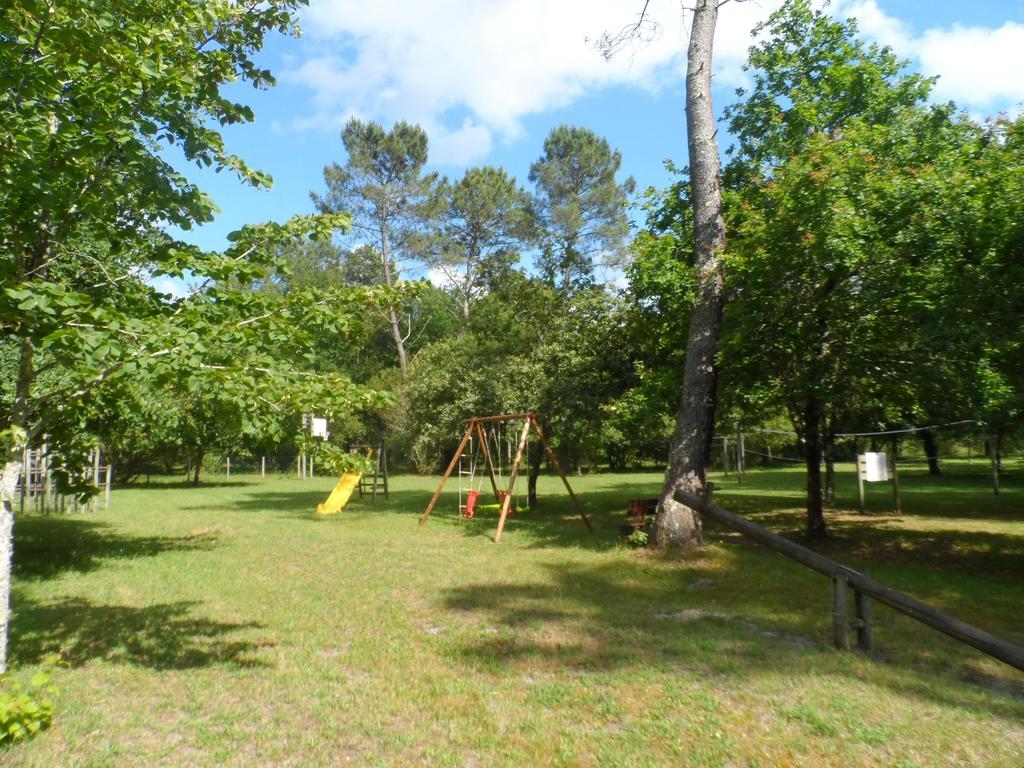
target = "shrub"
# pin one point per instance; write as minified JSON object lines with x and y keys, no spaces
{"x":25,"y":710}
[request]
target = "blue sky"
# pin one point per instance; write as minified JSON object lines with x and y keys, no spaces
{"x":489,"y":78}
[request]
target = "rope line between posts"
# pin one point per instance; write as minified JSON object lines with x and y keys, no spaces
{"x":907,"y":431}
{"x":773,"y":458}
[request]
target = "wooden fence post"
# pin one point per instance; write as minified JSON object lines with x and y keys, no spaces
{"x":840,"y":614}
{"x":895,"y":477}
{"x":862,"y":606}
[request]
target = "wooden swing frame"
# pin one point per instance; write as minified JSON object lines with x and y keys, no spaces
{"x":475,"y":428}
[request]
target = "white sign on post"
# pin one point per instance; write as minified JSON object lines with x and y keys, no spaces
{"x":319,"y":428}
{"x":874,"y":468}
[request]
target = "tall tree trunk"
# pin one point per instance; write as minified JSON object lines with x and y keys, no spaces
{"x":8,"y":490}
{"x":829,"y":449}
{"x":12,"y":471}
{"x":931,"y":451}
{"x":396,"y":329}
{"x":535,"y":458}
{"x":690,"y":450}
{"x":198,"y":465}
{"x":812,"y":441}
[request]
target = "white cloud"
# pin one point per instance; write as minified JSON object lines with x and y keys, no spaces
{"x":470,"y":72}
{"x":466,"y":145}
{"x":978,"y":67}
{"x":439,"y":278}
{"x":492,"y":63}
{"x":172,"y":286}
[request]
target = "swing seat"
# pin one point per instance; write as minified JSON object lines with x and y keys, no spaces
{"x":471,"y":497}
{"x":511,"y":505}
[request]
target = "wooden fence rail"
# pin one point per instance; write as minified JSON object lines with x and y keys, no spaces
{"x":864,"y":586}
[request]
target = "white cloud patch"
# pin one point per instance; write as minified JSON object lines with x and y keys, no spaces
{"x":174,"y":287}
{"x":470,"y":72}
{"x":978,"y":67}
{"x":493,"y":63}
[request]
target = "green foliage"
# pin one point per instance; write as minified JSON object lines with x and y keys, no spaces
{"x":338,"y":461}
{"x":580,"y":206}
{"x":811,"y":74}
{"x":92,"y":97}
{"x":482,"y":222}
{"x":25,"y":710}
{"x":637,"y":539}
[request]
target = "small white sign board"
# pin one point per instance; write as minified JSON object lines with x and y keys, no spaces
{"x":873,"y":467}
{"x":318,"y":428}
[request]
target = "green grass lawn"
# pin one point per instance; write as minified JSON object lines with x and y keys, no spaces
{"x":227,"y":625}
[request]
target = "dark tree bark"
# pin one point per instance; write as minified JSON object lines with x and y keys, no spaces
{"x":829,"y":448}
{"x":931,"y":450}
{"x":198,"y":465}
{"x":536,"y":457}
{"x":690,"y":450}
{"x":812,"y":421}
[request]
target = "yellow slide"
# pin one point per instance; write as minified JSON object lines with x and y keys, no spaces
{"x":340,"y":495}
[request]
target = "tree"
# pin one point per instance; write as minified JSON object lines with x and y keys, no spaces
{"x":690,"y":448}
{"x":382,"y":186}
{"x":580,"y":206}
{"x":795,"y":169}
{"x":483,"y":222}
{"x":91,"y":95}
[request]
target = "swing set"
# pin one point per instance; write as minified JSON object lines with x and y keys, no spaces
{"x":491,"y":438}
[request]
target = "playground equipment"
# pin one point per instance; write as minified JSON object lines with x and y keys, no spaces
{"x":485,"y":431}
{"x":371,"y":482}
{"x":340,"y":495}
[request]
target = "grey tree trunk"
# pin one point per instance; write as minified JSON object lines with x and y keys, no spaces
{"x":690,"y":449}
{"x":396,"y":330}
{"x":13,"y":467}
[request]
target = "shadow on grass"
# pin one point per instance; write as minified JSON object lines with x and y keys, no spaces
{"x":301,"y":504}
{"x":600,"y":618}
{"x":163,"y":636}
{"x":165,"y":483}
{"x":48,"y":546}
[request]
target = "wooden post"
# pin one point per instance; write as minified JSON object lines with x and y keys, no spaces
{"x":110,"y":472}
{"x":895,"y":446}
{"x":739,"y":454}
{"x":861,"y":466}
{"x":840,"y":616}
{"x":263,"y":466}
{"x":862,"y":606}
{"x":512,"y":475}
{"x":47,"y":479}
{"x":228,"y":467}
{"x":558,"y":468}
{"x":95,"y":503}
{"x":447,"y":473}
{"x":26,"y":469}
{"x":995,"y":464}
